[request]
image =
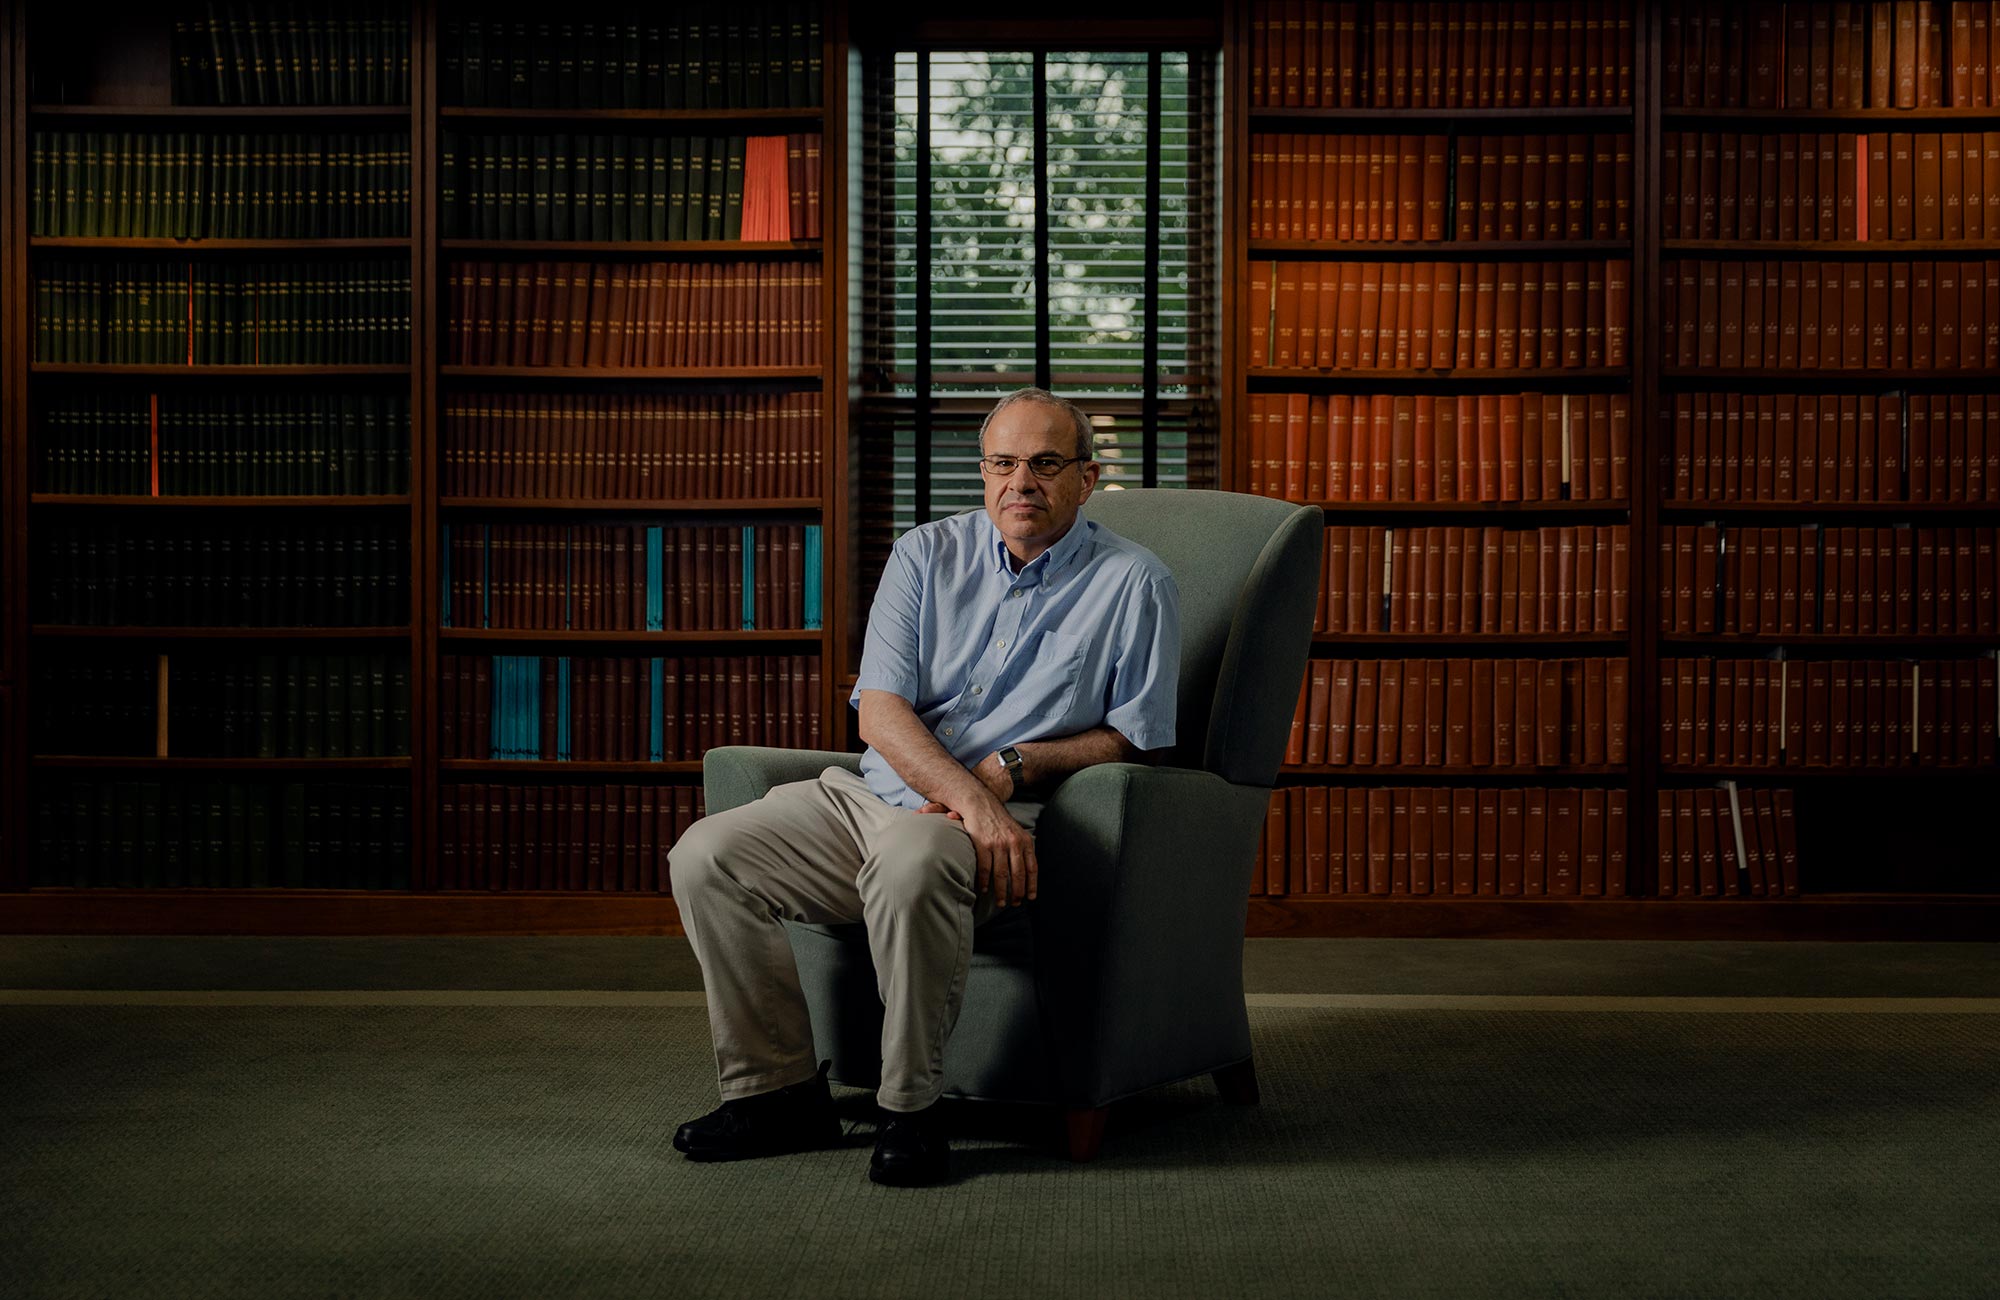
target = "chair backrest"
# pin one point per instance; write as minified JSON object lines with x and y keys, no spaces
{"x":1247,"y":568}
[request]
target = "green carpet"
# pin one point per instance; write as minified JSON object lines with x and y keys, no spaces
{"x":483,"y":1151}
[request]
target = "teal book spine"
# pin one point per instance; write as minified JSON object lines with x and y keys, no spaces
{"x":564,"y":752}
{"x":749,"y":577}
{"x":812,"y":568}
{"x":655,"y":593}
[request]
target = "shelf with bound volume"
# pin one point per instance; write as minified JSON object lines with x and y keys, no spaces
{"x":1466,"y":640}
{"x":1427,"y":250}
{"x":203,"y":244}
{"x":246,"y":371}
{"x":1832,"y":509}
{"x":1754,"y":116}
{"x":1839,"y":249}
{"x":637,"y":505}
{"x":630,"y":247}
{"x":1348,"y":510}
{"x":1860,"y":377}
{"x":1453,"y":376}
{"x":1405,"y":773}
{"x":128,"y":632}
{"x":627,"y":636}
{"x":627,"y":372}
{"x":69,"y":500}
{"x":1857,"y":772}
{"x":1438,"y":116}
{"x":149,"y":762}
{"x":1846,"y":640}
{"x":541,"y":767}
{"x":692,"y":116}
{"x":244,"y":113}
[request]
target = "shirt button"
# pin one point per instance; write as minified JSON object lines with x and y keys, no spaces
{"x":975,"y":690}
{"x":947,"y":731}
{"x":1003,"y":645}
{"x":1017,"y":593}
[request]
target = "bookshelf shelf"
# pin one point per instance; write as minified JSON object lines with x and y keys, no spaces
{"x":1491,"y":642}
{"x":1732,"y":118}
{"x":636,"y":505}
{"x":152,"y":763}
{"x":567,"y":636}
{"x":1839,"y":249}
{"x":601,"y":374}
{"x":1842,"y":380}
{"x":1348,"y":511}
{"x":71,"y":632}
{"x":633,"y":248}
{"x":1429,"y":774}
{"x":1440,"y":380}
{"x":773,"y":118}
{"x":1832,"y":509}
{"x":1431,"y":118}
{"x":348,"y":115}
{"x":1810,"y":640}
{"x":474,"y":768}
{"x":1858,"y":772}
{"x":171,"y":245}
{"x":94,"y":370}
{"x":76,"y":501}
{"x":1377,"y":251}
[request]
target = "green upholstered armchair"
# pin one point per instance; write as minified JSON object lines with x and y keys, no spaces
{"x":1127,"y":970}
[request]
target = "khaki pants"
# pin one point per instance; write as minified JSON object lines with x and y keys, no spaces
{"x":828,"y":851}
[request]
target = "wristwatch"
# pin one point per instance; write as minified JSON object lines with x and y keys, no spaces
{"x":1010,"y":758}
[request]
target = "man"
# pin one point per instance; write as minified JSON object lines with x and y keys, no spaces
{"x":1005,"y":650}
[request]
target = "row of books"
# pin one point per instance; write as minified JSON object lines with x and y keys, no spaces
{"x":1461,"y":713}
{"x":641,"y":187}
{"x":1828,"y":712}
{"x":1569,"y":53}
{"x":710,"y":54}
{"x":595,"y":578}
{"x":1439,"y":315}
{"x":1425,"y":447}
{"x":624,"y":314}
{"x":262,"y":706}
{"x":1373,"y":188}
{"x":208,"y":313}
{"x":1881,"y":187}
{"x":221,"y":834}
{"x":1874,"y":315}
{"x":1727,"y":842}
{"x":1938,"y":448}
{"x":229,"y":185}
{"x":1900,"y":581}
{"x":1882,"y":54}
{"x":1465,"y":581}
{"x":633,"y":446}
{"x":330,"y":444}
{"x":625,"y":709}
{"x":1536,"y":842}
{"x":561,"y":837}
{"x":240,"y":52}
{"x":221,"y":574}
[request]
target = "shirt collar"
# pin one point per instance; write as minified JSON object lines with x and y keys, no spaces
{"x":1049,"y":562}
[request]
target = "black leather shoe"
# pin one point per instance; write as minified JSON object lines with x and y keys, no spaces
{"x":795,"y":1118}
{"x":911,"y":1150}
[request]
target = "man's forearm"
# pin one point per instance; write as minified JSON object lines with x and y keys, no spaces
{"x":892,"y":728}
{"x":1044,"y":763}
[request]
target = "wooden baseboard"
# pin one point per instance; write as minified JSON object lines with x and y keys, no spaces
{"x":332,"y":912}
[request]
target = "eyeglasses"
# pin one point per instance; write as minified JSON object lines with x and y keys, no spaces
{"x":1043,"y":466}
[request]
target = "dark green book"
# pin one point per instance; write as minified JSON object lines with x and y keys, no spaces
{"x":541,"y":197}
{"x":732,"y":203}
{"x":621,"y":148}
{"x":600,"y":188}
{"x":694,"y":60}
{"x":267,"y":727}
{"x":312,"y":700}
{"x":715,"y":52}
{"x":542,"y":65}
{"x":291,"y":834}
{"x":337,"y":705}
{"x":379,"y":740}
{"x":715,"y":193}
{"x":679,"y":149}
{"x":472,"y":64}
{"x":520,"y":56}
{"x":654,"y":227}
{"x":257,"y":836}
{"x":565,"y":56}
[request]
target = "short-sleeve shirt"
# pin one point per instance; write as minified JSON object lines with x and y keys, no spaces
{"x":1087,"y":634}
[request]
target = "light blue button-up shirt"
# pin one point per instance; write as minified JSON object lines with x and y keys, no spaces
{"x":1088,"y":634}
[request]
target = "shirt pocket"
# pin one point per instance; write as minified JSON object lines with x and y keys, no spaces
{"x":1055,"y":676}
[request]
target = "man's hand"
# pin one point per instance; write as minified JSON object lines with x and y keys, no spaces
{"x":1004,"y":849}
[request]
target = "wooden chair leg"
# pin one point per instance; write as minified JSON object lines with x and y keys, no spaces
{"x":1238,"y":1083}
{"x":1085,"y":1132}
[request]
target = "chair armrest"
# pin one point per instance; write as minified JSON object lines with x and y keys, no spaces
{"x":1144,"y":891}
{"x":733,"y":775}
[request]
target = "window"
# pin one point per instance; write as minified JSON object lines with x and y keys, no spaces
{"x":1066,"y":202}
